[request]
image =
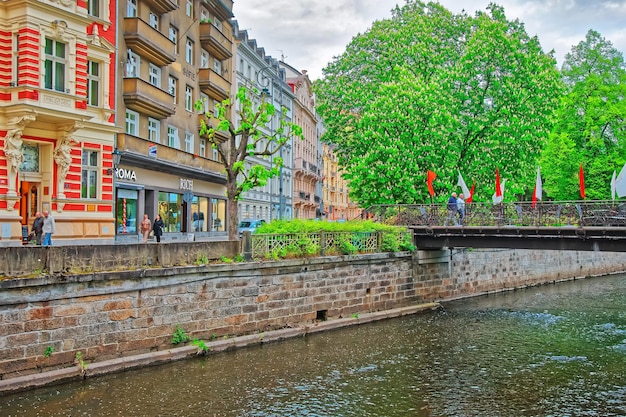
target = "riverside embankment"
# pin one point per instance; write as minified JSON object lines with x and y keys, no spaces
{"x":127,"y":318}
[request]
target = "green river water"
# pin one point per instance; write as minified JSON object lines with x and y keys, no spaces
{"x":554,"y":350}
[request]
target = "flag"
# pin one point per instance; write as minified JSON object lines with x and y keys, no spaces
{"x":620,"y":183}
{"x":430,"y":177}
{"x":498,"y":189}
{"x":471,"y":194}
{"x":464,"y":189}
{"x":537,"y":192}
{"x":613,"y":185}
{"x":581,"y":178}
{"x":495,"y":198}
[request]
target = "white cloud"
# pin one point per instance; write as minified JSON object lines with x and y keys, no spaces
{"x":311,"y":33}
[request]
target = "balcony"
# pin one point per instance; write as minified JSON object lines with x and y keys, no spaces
{"x":215,"y":41}
{"x":148,"y":42}
{"x":213,"y":84}
{"x":143,"y":97}
{"x":162,"y":6}
{"x":212,"y":122}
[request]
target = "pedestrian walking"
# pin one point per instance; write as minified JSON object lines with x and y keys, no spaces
{"x":452,"y":210}
{"x":157,"y":228}
{"x":460,"y":204}
{"x":146,"y":226}
{"x":37,"y":229}
{"x":48,"y":228}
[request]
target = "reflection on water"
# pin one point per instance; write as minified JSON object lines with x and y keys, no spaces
{"x":557,"y":350}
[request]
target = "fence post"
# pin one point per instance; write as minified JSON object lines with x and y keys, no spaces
{"x":379,"y":240}
{"x":322,"y":243}
{"x":247,"y":246}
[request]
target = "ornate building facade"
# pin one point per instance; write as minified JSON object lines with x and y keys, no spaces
{"x":337,"y":204}
{"x":57,"y":131}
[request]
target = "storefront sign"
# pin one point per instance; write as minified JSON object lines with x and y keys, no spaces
{"x":125,"y":174}
{"x":186,"y":184}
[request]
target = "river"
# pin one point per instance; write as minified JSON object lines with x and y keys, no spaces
{"x":553,"y":350}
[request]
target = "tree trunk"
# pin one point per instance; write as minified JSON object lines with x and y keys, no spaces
{"x":233,"y":224}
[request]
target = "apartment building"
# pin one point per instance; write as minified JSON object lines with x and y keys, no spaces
{"x":337,"y":203}
{"x":307,"y":172}
{"x":57,"y":124}
{"x":262,"y":73}
{"x":175,"y":52}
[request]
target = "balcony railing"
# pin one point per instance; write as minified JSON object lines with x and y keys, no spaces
{"x":213,"y":84}
{"x":214,"y":41}
{"x":148,"y":42}
{"x":143,"y":97}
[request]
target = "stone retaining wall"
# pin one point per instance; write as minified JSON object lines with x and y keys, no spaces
{"x":117,"y":314}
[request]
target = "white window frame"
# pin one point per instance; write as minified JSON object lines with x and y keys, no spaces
{"x":154,"y":75}
{"x":189,"y":51}
{"x":154,"y":130}
{"x":216,"y":155}
{"x":172,"y":85}
{"x":132,"y":123}
{"x":188,"y":98}
{"x":189,"y":8}
{"x":93,"y":8}
{"x":91,"y":171}
{"x":131,"y":8}
{"x":94,"y":71}
{"x":204,"y":15}
{"x":204,"y":58}
{"x":172,"y":35}
{"x":218,"y":24}
{"x":215,"y":111}
{"x":173,"y":139}
{"x":133,"y":64}
{"x":204,"y":99}
{"x":153,"y":20}
{"x":202,"y":146}
{"x":189,"y":139}
{"x":55,"y":64}
{"x":217,"y":66}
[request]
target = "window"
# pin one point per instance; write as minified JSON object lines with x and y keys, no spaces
{"x":132,"y":64}
{"x":202,"y":148}
{"x":205,"y":103}
{"x":171,"y":86}
{"x":54,"y":67}
{"x":173,"y":140}
{"x":216,"y":155}
{"x":189,"y":8}
{"x":132,"y":123}
{"x":153,"y":21}
{"x":217,"y":66}
{"x":204,"y":59}
{"x":93,"y":8}
{"x":131,"y":8}
{"x":171,"y":211}
{"x":89,"y":182}
{"x":215,"y":109}
{"x":173,"y":36}
{"x":188,"y":98}
{"x":154,"y":130}
{"x":154,"y":75}
{"x":189,"y":51}
{"x":93,"y":83}
{"x":189,"y":142}
{"x":218,"y":24}
{"x":204,"y":15}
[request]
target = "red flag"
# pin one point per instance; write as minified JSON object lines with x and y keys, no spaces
{"x":430,"y":177}
{"x":581,"y":177}
{"x":471,"y":194}
{"x":498,"y":188}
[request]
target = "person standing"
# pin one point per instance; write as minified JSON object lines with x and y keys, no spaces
{"x":146,"y":225}
{"x":460,"y":204}
{"x":452,"y":210}
{"x":48,"y":228}
{"x":157,"y":227}
{"x":37,"y":229}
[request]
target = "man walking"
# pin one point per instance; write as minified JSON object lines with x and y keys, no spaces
{"x":460,"y":204}
{"x":38,"y":228}
{"x":452,"y":210}
{"x":48,"y":228}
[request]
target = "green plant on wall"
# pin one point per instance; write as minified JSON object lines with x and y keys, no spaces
{"x":179,"y":336}
{"x":49,"y":351}
{"x":201,"y":345}
{"x":79,"y":361}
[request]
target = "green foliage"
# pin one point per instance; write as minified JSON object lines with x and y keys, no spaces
{"x":590,"y":128}
{"x":49,"y":351}
{"x":201,"y":345}
{"x":180,"y":336}
{"x":80,"y":362}
{"x":355,"y":316}
{"x":429,"y":89}
{"x":239,"y":258}
{"x":226,"y":259}
{"x":202,"y":260}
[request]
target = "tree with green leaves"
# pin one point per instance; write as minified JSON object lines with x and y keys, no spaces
{"x":247,"y":138}
{"x":429,"y":89}
{"x":591,"y":127}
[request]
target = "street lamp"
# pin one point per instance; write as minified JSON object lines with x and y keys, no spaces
{"x":117,"y":157}
{"x":267,"y":79}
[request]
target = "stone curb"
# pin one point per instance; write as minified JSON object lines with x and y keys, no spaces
{"x":95,"y":369}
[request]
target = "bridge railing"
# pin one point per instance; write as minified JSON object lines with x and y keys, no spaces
{"x":552,"y":213}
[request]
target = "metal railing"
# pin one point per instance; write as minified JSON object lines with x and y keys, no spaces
{"x":311,"y":244}
{"x":553,"y":213}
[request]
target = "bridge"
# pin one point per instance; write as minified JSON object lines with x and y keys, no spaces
{"x":560,"y":225}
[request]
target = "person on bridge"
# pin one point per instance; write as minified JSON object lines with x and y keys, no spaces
{"x":460,"y":205}
{"x":452,"y":210}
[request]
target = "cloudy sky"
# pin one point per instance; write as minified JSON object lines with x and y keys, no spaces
{"x":309,"y":33}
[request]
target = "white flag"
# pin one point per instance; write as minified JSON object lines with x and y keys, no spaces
{"x":613,"y":186}
{"x":498,"y":200}
{"x":620,"y":183}
{"x":464,"y":189}
{"x":538,"y":188}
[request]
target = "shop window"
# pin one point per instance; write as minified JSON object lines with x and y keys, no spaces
{"x":218,"y":214}
{"x":170,"y":210}
{"x":89,"y":182}
{"x":199,"y":213}
{"x":126,"y":219}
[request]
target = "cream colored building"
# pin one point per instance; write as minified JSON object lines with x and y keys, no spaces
{"x":173,"y":53}
{"x":337,"y":204}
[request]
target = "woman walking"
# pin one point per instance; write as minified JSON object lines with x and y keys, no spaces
{"x":157,"y":227}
